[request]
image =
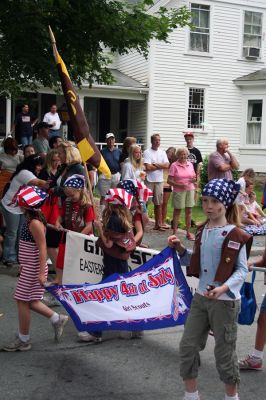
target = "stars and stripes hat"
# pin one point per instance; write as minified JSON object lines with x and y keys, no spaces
{"x":120,"y":197}
{"x":222,"y":190}
{"x":30,"y":197}
{"x":137,"y":189}
{"x":75,"y":182}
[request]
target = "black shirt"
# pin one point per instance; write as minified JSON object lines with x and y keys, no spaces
{"x":194,"y":157}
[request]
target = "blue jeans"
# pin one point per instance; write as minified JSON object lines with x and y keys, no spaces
{"x":25,"y":140}
{"x":13,"y":227}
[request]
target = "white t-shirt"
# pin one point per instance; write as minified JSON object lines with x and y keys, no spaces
{"x":9,"y":162}
{"x":50,"y":118}
{"x":129,"y":172}
{"x":22,"y":178}
{"x":155,"y":156}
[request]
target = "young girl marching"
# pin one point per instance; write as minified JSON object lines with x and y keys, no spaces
{"x":33,"y":275}
{"x":77,"y":215}
{"x":116,"y":239}
{"x":219,"y":259}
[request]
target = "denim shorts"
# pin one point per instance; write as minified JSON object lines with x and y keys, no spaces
{"x":263,"y":305}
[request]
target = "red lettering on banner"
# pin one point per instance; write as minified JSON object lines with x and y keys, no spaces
{"x":164,"y":277}
{"x":80,"y":296}
{"x":108,"y":294}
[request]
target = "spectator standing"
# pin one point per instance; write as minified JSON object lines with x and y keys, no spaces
{"x":132,"y":168}
{"x":183,"y":178}
{"x":26,"y":174}
{"x":222,"y":162}
{"x":125,"y":149}
{"x":23,"y":126}
{"x":55,"y":141}
{"x":155,"y":161}
{"x":111,"y":155}
{"x":28,"y":150}
{"x":41,"y":144}
{"x":167,"y":189}
{"x":53,"y":120}
{"x":9,"y":160}
{"x":194,"y":155}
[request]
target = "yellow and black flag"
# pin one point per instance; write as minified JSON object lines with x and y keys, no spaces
{"x":86,"y":145}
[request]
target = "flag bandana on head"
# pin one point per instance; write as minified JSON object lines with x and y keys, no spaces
{"x":222,"y":190}
{"x":137,"y":189}
{"x":29,"y":197}
{"x":75,"y":182}
{"x":120,"y":197}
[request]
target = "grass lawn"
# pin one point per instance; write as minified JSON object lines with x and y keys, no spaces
{"x":197,"y":213}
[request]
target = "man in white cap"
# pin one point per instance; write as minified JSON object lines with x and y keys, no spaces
{"x":111,"y":154}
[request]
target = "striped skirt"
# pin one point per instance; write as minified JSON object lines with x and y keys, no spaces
{"x":28,"y":287}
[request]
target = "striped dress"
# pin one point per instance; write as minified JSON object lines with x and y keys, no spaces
{"x":28,"y":287}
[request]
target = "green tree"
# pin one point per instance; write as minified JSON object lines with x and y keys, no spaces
{"x":83,"y":29}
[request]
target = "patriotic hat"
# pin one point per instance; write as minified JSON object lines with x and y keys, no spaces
{"x":75,"y":182}
{"x":120,"y":197}
{"x":129,"y":185}
{"x":30,"y":197}
{"x":222,"y":190}
{"x":143,"y":192}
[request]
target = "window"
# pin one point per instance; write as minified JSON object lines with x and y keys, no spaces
{"x":254,"y":121}
{"x":252,"y":34}
{"x":200,"y":33}
{"x":195,"y":108}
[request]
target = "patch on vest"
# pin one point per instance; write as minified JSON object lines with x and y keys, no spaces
{"x":233,"y":245}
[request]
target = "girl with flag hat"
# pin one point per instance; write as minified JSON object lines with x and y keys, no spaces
{"x":116,"y":239}
{"x":219,"y":260}
{"x":76,"y":215}
{"x":33,"y":274}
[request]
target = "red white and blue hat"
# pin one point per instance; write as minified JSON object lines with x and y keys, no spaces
{"x":120,"y":197}
{"x":30,"y":197}
{"x":75,"y":182}
{"x":222,"y":190}
{"x":136,"y":188}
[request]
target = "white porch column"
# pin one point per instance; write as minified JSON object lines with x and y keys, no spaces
{"x":8,"y":115}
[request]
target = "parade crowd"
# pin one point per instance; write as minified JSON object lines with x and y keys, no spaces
{"x":47,"y":183}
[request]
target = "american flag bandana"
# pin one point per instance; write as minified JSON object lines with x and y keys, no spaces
{"x":75,"y":182}
{"x":137,"y":189}
{"x":30,"y":197}
{"x":222,"y":190}
{"x":120,"y":197}
{"x":143,"y":192}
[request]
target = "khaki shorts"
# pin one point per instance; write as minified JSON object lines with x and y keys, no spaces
{"x":221,"y":317}
{"x":157,"y":188}
{"x":104,"y":184}
{"x":183,"y":199}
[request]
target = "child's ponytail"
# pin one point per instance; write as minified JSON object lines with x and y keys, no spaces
{"x":232,"y":215}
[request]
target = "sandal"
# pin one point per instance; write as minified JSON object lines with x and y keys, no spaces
{"x":159,"y":228}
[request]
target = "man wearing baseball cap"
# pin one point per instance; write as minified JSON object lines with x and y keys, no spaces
{"x":41,"y":144}
{"x":111,"y":154}
{"x":194,"y":156}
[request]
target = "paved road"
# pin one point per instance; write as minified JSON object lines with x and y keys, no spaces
{"x":117,"y":369}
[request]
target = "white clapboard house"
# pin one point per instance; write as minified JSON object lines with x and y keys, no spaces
{"x":210,"y":80}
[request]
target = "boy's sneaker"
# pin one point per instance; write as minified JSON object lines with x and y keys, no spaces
{"x":59,"y":326}
{"x":88,"y":337}
{"x":17,"y":345}
{"x":250,"y":362}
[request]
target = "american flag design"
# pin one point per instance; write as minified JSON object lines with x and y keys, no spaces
{"x":30,"y":197}
{"x":120,"y":197}
{"x":75,"y":182}
{"x":223,"y":190}
{"x":137,"y":189}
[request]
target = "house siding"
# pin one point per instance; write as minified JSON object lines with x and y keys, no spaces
{"x":137,"y":121}
{"x":174,"y":71}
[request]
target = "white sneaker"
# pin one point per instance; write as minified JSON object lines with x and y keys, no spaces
{"x":59,"y":326}
{"x":88,"y":337}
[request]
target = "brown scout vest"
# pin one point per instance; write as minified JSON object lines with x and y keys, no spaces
{"x":228,"y":254}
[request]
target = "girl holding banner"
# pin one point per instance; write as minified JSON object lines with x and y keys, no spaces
{"x":219,"y":260}
{"x":77,"y":215}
